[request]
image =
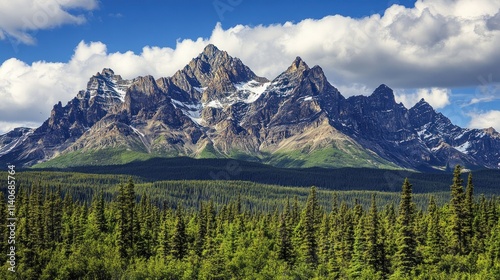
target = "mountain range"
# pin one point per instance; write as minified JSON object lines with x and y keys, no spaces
{"x":216,"y":107}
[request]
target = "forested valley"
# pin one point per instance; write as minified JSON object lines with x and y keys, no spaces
{"x":102,"y":227}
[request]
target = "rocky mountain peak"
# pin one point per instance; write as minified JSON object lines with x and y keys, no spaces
{"x":383,"y":91}
{"x":383,"y":97}
{"x":145,"y":84}
{"x":107,"y":72}
{"x":105,"y":89}
{"x":490,"y":131}
{"x":214,"y":75}
{"x":422,"y":106}
{"x":298,"y":65}
{"x":217,"y":105}
{"x":210,"y":51}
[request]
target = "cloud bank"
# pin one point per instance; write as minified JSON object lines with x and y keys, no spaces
{"x":422,"y":51}
{"x":437,"y":97}
{"x":18,"y":18}
{"x":485,"y":120}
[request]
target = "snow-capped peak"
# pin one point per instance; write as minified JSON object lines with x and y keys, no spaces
{"x":108,"y":87}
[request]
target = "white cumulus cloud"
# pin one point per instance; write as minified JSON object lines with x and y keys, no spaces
{"x":485,"y":120}
{"x":432,"y":47}
{"x":18,"y":18}
{"x":436,"y":97}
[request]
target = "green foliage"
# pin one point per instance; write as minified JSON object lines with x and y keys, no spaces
{"x":458,"y":218}
{"x":160,"y":169}
{"x":95,"y":157}
{"x":330,"y":157}
{"x":111,"y":228}
{"x":406,"y":258}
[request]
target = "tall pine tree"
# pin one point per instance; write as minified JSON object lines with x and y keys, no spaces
{"x":457,"y":219}
{"x":469,"y":214}
{"x":309,"y":230}
{"x":179,"y":241}
{"x":434,"y":243}
{"x":406,"y":258}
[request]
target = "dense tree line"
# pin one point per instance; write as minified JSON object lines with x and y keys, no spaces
{"x":130,"y":237}
{"x":162,"y":169}
{"x":254,"y":196}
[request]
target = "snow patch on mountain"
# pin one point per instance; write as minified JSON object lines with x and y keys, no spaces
{"x":137,"y":131}
{"x":9,"y":147}
{"x":251,"y":90}
{"x":199,"y":89}
{"x":193,"y":111}
{"x":463,"y":148}
{"x":121,"y":89}
{"x":247,"y":92}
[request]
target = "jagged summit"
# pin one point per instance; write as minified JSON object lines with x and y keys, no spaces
{"x":216,"y":106}
{"x":107,"y":72}
{"x":297,"y":65}
{"x":383,"y":91}
{"x":210,"y":50}
{"x":422,"y":105}
{"x":214,"y":75}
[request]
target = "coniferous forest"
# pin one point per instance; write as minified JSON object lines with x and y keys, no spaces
{"x":102,"y":227}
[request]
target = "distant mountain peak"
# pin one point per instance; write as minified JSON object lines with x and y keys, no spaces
{"x":384,"y":96}
{"x":107,"y":72}
{"x":216,"y":106}
{"x":422,"y":102}
{"x":297,"y":65}
{"x":422,"y":105}
{"x":211,"y":50}
{"x":384,"y":91}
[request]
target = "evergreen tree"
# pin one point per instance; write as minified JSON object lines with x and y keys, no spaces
{"x":127,"y":226}
{"x":434,"y":242}
{"x":346,"y":242}
{"x":67,"y":228}
{"x":98,"y":208}
{"x":145,"y":228}
{"x":406,"y":259}
{"x":358,"y":262}
{"x":164,"y":240}
{"x":457,"y":219}
{"x":295,"y":211}
{"x":494,"y":247}
{"x":179,"y":236}
{"x":325,"y":239}
{"x":202,"y":230}
{"x":50,"y":219}
{"x":285,"y":242}
{"x":36,"y":217}
{"x":309,"y":222}
{"x":358,"y":211}
{"x":469,"y":214}
{"x":375,"y":250}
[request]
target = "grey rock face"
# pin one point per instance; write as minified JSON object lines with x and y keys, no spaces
{"x":216,"y":104}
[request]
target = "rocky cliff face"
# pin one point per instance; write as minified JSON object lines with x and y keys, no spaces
{"x":217,"y":107}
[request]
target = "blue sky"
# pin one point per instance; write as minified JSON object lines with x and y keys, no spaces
{"x":444,"y":53}
{"x":131,"y":25}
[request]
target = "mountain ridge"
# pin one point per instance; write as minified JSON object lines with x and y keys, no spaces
{"x":218,"y":107}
